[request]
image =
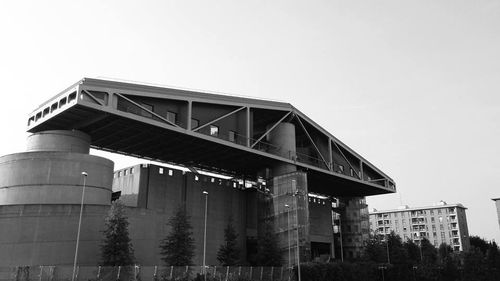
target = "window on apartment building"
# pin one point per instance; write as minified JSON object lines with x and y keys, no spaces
{"x":442,"y":235}
{"x":433,"y":220}
{"x":119,"y":173}
{"x":440,"y":219}
{"x":160,"y":171}
{"x":170,"y":172}
{"x":124,"y":172}
{"x":195,"y":123}
{"x":433,"y":227}
{"x":434,"y":234}
{"x":132,"y":170}
{"x":232,"y":136}
{"x":441,"y":226}
{"x":439,"y":211}
{"x":352,"y":172}
{"x":341,"y":168}
{"x":432,"y":212}
{"x":214,"y":130}
{"x":172,"y":117}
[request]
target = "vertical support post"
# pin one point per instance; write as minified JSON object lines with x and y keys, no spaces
{"x":171,"y":271}
{"x":119,"y":271}
{"x":98,"y":272}
{"x":205,"y":235}
{"x":227,"y":272}
{"x":155,"y":274}
{"x":330,"y":154}
{"x":341,"y":243}
{"x":251,"y":271}
{"x":41,"y":272}
{"x":261,"y":272}
{"x":189,"y":115}
{"x":294,"y":187}
{"x":272,"y":272}
{"x":248,"y":127}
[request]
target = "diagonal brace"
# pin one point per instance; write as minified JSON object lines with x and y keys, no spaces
{"x":217,"y":119}
{"x":270,"y":129}
{"x":314,"y":144}
{"x":147,"y":110}
{"x":345,"y":158}
{"x":92,"y":97}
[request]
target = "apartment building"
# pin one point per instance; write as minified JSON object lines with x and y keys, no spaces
{"x":441,"y":223}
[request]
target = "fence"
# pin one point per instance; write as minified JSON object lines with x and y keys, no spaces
{"x":144,"y":273}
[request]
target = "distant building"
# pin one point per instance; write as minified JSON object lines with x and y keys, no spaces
{"x":497,"y":202}
{"x":442,"y":223}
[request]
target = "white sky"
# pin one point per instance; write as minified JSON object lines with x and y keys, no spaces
{"x":413,"y":86}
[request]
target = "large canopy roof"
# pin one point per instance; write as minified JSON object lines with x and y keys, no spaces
{"x":220,"y":133}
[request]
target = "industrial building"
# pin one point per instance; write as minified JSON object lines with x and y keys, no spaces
{"x":442,"y":223}
{"x":274,"y":165}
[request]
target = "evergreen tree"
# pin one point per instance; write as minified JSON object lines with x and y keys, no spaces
{"x":177,"y":248}
{"x":116,"y":248}
{"x":413,"y":251}
{"x":429,"y":252}
{"x":229,"y":253}
{"x":268,"y":251}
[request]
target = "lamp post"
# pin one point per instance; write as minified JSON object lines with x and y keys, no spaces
{"x":288,"y":232}
{"x":387,"y":244}
{"x":84,"y":174}
{"x":205,"y":236}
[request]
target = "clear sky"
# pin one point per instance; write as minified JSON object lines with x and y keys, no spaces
{"x":413,"y":86}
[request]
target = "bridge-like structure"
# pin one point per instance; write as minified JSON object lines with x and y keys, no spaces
{"x":219,"y":133}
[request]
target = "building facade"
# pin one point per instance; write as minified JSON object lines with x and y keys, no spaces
{"x":279,"y":168}
{"x":443,"y":223}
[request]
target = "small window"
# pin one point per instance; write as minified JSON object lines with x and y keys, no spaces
{"x":160,"y":170}
{"x":196,"y":178}
{"x":119,"y":173}
{"x":232,"y":136}
{"x":72,"y":97}
{"x":214,"y":130}
{"x":124,"y":172}
{"x":62,"y":102}
{"x":132,"y":170}
{"x":341,"y":168}
{"x":212,"y":180}
{"x":352,"y":172}
{"x":170,"y":172}
{"x":195,"y":123}
{"x":53,"y":107}
{"x":234,"y":184}
{"x":172,"y":117}
{"x":32,"y":119}
{"x":46,"y":111}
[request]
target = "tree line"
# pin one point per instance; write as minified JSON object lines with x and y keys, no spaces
{"x":178,"y":247}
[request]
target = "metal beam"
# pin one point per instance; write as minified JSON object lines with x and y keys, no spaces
{"x":270,"y":129}
{"x":345,"y":158}
{"x":217,"y":119}
{"x":147,"y":110}
{"x":311,"y":140}
{"x":92,"y":97}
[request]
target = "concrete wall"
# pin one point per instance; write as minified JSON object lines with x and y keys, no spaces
{"x":167,"y":189}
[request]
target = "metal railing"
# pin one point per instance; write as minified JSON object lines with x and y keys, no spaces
{"x":142,"y":273}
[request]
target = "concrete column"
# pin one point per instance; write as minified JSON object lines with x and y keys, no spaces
{"x":282,"y":137}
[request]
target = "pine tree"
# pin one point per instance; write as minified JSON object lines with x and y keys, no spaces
{"x":229,"y":252}
{"x":268,"y":251}
{"x":116,"y":248}
{"x":177,"y":248}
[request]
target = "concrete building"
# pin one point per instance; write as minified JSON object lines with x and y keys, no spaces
{"x":442,"y":223}
{"x":278,"y":167}
{"x":497,"y":203}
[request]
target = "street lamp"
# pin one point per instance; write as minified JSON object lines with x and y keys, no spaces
{"x":84,"y":174}
{"x":288,"y":232}
{"x":205,"y":235}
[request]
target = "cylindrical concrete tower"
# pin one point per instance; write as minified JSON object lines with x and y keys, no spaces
{"x":51,"y":172}
{"x":283,"y":139}
{"x":40,"y":196}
